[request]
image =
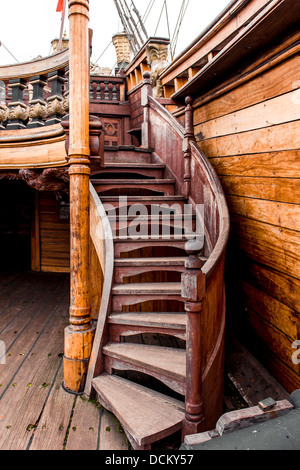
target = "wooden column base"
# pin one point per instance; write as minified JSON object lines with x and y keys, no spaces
{"x":192,"y":427}
{"x":78,"y":347}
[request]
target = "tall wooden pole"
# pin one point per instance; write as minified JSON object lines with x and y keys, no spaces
{"x":79,"y":334}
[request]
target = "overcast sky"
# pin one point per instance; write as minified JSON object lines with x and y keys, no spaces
{"x":28,"y":27}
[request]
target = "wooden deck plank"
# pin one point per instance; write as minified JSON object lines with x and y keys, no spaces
{"x":85,"y":426}
{"x":52,"y":428}
{"x":31,"y":384}
{"x":26,"y":297}
{"x":36,"y":413}
{"x":20,"y":346}
{"x":111,"y":436}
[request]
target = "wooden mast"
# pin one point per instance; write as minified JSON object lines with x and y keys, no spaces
{"x":79,"y":334}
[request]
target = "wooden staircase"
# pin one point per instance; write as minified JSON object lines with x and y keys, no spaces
{"x":147,"y":323}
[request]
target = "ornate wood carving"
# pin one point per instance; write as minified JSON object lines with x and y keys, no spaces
{"x":49,"y":179}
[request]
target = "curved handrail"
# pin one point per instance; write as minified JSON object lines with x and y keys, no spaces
{"x":36,"y":67}
{"x":219,"y":248}
{"x":102,"y":237}
{"x":224,"y":216}
{"x":167,"y":116}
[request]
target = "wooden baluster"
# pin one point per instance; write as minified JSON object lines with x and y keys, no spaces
{"x":193,"y":292}
{"x":55,"y":102}
{"x":114,"y":93}
{"x":37,"y":105}
{"x":17,"y":110}
{"x":102,"y":91}
{"x":92,"y":90}
{"x":106,"y":92}
{"x":80,"y":333}
{"x":146,"y":91}
{"x":188,"y":136}
{"x":110,"y":91}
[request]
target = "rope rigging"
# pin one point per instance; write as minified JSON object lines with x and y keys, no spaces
{"x":134,"y":24}
{"x":1,"y":44}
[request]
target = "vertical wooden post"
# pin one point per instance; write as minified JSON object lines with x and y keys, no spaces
{"x":79,"y":334}
{"x":193,"y":291}
{"x":188,"y":136}
{"x":146,"y":91}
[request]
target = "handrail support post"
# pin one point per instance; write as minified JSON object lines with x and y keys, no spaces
{"x":188,"y":137}
{"x":146,"y":91}
{"x":193,"y":292}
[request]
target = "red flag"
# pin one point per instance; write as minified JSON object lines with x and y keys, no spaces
{"x":60,"y":5}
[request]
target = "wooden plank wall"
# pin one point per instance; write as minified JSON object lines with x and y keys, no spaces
{"x":136,"y":111}
{"x":54,"y":236}
{"x":251,"y":136}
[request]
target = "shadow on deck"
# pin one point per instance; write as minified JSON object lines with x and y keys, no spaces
{"x":35,"y":411}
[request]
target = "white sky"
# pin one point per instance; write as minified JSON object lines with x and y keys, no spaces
{"x":28,"y":26}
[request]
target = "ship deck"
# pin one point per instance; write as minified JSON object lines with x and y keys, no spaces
{"x":36,"y":413}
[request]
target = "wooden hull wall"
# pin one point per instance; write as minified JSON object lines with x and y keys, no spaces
{"x":251,"y":136}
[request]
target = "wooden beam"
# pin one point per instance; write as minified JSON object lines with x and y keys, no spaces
{"x":79,"y":334}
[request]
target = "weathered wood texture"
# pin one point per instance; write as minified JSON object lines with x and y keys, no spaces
{"x":250,"y":134}
{"x":36,"y":412}
{"x":54,"y":234}
{"x":206,"y":196}
{"x":33,"y":148}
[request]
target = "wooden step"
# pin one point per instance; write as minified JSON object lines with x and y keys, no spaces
{"x":146,"y":416}
{"x":131,"y":294}
{"x":165,"y":186}
{"x":127,"y":324}
{"x":127,"y":155}
{"x":167,"y":204}
{"x":125,"y":267}
{"x":162,"y":224}
{"x":165,"y":364}
{"x":150,"y":170}
{"x":127,"y":244}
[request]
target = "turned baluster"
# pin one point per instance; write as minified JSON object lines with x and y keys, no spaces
{"x":106,"y":92}
{"x":193,"y":292}
{"x":188,"y":137}
{"x":146,"y":92}
{"x":37,"y":105}
{"x":17,"y":114}
{"x":55,"y":102}
{"x":80,"y":333}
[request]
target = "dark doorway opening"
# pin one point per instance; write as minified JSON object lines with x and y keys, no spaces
{"x":16,"y":202}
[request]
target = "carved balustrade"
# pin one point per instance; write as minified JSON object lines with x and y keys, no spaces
{"x":36,"y":94}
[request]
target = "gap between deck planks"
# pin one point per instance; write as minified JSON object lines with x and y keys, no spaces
{"x":35,"y":411}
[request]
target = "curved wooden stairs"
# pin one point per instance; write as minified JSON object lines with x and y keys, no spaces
{"x":147,"y":324}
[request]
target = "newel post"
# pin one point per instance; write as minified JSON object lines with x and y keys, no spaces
{"x":193,"y":292}
{"x":79,"y":334}
{"x":188,"y":137}
{"x":146,"y":92}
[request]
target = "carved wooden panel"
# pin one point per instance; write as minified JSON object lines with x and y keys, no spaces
{"x":112,"y":131}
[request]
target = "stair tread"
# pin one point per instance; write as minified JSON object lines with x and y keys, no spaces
{"x":152,"y":217}
{"x":178,"y":261}
{"x":135,"y":165}
{"x":165,"y":320}
{"x":142,"y":198}
{"x":146,"y":288}
{"x":157,"y":238}
{"x":168,"y":361}
{"x":145,"y":415}
{"x":131,"y":181}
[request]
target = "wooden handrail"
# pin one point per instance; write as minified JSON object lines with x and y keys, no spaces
{"x":37,"y":67}
{"x":224,"y":217}
{"x":202,"y":284}
{"x":102,"y":237}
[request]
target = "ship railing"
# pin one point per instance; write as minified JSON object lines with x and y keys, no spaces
{"x":34,"y":94}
